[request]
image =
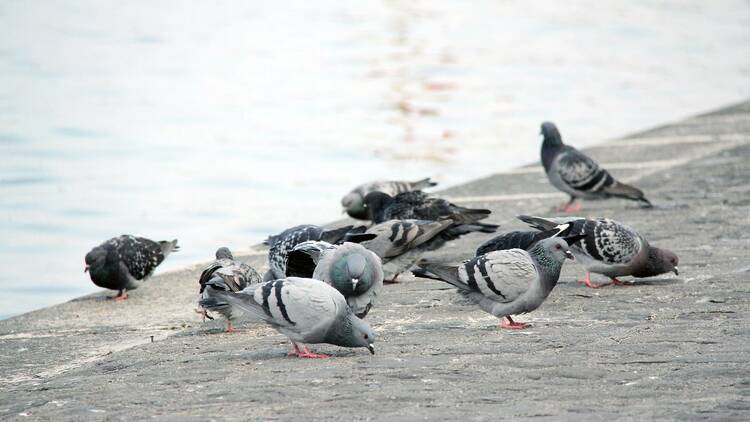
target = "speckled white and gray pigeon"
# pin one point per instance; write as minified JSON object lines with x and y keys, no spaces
{"x":350,"y":268}
{"x":123,"y":262}
{"x":354,"y":201}
{"x":508,"y":282}
{"x":401,"y":243}
{"x":305,"y":310}
{"x":282,"y":243}
{"x":224,"y":274}
{"x":574,"y":173}
{"x":418,"y":205}
{"x":610,"y":248}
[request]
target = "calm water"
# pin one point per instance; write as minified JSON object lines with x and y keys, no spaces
{"x":220,"y":123}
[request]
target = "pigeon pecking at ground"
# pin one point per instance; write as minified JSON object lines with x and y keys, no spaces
{"x":282,"y":243}
{"x":418,"y":205}
{"x":508,"y":282}
{"x":224,"y":274}
{"x":610,"y":248}
{"x":354,"y":201}
{"x":350,"y":268}
{"x":305,"y":310}
{"x":123,"y":262}
{"x":401,"y":243}
{"x":574,"y":173}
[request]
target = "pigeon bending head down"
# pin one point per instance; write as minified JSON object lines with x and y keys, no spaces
{"x":354,"y":201}
{"x":659,"y":261}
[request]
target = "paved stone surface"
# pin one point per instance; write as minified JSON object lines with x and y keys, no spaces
{"x":671,"y":348}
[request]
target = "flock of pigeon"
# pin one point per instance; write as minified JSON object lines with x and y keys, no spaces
{"x":322,"y":283}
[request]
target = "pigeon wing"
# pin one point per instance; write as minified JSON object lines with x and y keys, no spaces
{"x":502,"y":276}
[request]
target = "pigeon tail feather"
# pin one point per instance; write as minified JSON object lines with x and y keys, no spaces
{"x":621,"y":190}
{"x":442,"y":272}
{"x":421,"y":184}
{"x":335,"y":235}
{"x":246,"y":303}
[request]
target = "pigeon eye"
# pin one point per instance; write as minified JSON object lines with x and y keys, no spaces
{"x":558,"y":247}
{"x":366,"y":336}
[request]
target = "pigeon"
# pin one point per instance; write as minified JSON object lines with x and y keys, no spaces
{"x":123,"y":262}
{"x":521,"y":239}
{"x":420,"y":206}
{"x":350,"y":268}
{"x":401,"y":243}
{"x":353,"y":202}
{"x":574,"y":173}
{"x":224,"y":274}
{"x":611,"y":248}
{"x":281,"y":244}
{"x":507,"y":282}
{"x":305,"y":310}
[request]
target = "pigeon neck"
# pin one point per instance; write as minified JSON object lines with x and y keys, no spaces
{"x":550,"y":147}
{"x":548,"y":267}
{"x":341,"y":332}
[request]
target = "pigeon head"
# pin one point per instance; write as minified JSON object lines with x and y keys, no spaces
{"x":375,"y":204}
{"x":353,"y":332}
{"x":96,"y":263}
{"x":355,"y":269}
{"x":551,"y":134}
{"x":354,"y":205}
{"x":224,"y":253}
{"x":660,"y":261}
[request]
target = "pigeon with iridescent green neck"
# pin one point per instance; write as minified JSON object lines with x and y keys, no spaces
{"x":350,"y":268}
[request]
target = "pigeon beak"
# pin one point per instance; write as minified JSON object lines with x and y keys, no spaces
{"x":676,"y":272}
{"x":568,"y":255}
{"x":85,"y":270}
{"x":354,"y":283}
{"x":371,"y":348}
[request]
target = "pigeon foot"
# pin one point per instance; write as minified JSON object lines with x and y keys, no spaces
{"x":509,"y":324}
{"x":617,"y":282}
{"x":587,"y":281}
{"x":305,"y":353}
{"x":570,"y":207}
{"x":393,"y":280}
{"x":122,"y":295}
{"x":230,"y":327}
{"x":203,"y":313}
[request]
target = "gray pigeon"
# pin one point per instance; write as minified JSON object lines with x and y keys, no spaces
{"x":401,"y":243}
{"x":611,"y":248}
{"x":421,"y":206}
{"x":350,"y":268}
{"x":508,"y":282}
{"x":305,"y":310}
{"x":281,"y":244}
{"x":224,"y":274}
{"x":123,"y":262}
{"x":574,"y":173}
{"x":354,"y":201}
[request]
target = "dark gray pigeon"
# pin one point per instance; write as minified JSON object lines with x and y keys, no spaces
{"x":224,"y":274}
{"x":123,"y":262}
{"x":305,"y":310}
{"x":354,"y":201}
{"x":281,"y":244}
{"x":521,"y":239}
{"x":610,"y":248}
{"x":401,"y":243}
{"x":418,"y":205}
{"x":508,"y":282}
{"x":350,"y":268}
{"x":574,"y":173}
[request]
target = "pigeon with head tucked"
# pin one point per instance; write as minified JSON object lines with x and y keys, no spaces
{"x":610,"y":248}
{"x":354,"y":201}
{"x":507,"y":282}
{"x":353,"y":270}
{"x":281,"y":244}
{"x":123,"y":262}
{"x":305,"y":310}
{"x":224,"y":274}
{"x":574,"y":173}
{"x":418,"y":205}
{"x":401,"y":243}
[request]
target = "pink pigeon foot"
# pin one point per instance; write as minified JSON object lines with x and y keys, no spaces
{"x":230,"y":327}
{"x":305,"y":353}
{"x":587,"y":281}
{"x":122,"y":295}
{"x":570,"y":207}
{"x":509,"y":324}
{"x":393,"y":280}
{"x":617,"y":282}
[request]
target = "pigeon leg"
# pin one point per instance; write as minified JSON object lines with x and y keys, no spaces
{"x":230,"y":327}
{"x":306,"y":353}
{"x":587,"y":281}
{"x":617,"y":282}
{"x":393,"y":280}
{"x":574,"y":205}
{"x":509,"y":324}
{"x":296,"y":352}
{"x":122,"y":295}
{"x":203,"y":313}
